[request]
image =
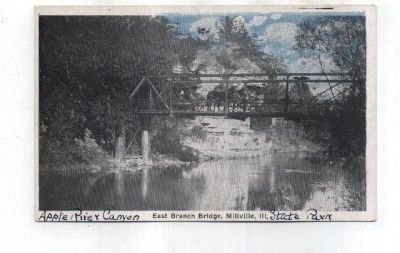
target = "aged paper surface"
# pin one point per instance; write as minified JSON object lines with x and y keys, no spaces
{"x":194,"y":113}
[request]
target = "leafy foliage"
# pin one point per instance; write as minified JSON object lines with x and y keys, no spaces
{"x":90,"y":64}
{"x":342,"y":39}
{"x":232,"y":44}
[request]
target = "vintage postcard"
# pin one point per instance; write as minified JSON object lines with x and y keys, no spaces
{"x":195,"y":113}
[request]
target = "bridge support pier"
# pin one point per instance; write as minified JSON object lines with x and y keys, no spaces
{"x":146,"y":142}
{"x":146,"y":147}
{"x":120,"y":141}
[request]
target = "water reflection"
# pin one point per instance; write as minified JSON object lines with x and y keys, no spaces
{"x":145,"y":182}
{"x":289,"y":181}
{"x":279,"y":188}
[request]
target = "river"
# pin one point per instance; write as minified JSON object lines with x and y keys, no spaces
{"x":280,"y":181}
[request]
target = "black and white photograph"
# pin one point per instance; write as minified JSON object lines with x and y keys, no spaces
{"x":185,"y":114}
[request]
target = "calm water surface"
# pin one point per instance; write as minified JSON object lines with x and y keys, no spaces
{"x":283,"y":181}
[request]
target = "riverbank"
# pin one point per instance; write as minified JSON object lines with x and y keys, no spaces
{"x":105,"y":163}
{"x":130,"y":163}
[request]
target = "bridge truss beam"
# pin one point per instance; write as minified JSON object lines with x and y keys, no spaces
{"x":285,"y":95}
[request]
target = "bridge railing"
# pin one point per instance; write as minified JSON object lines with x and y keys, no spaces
{"x":280,"y":95}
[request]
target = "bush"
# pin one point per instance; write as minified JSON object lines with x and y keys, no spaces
{"x":167,"y":135}
{"x":198,"y":132}
{"x":80,"y":154}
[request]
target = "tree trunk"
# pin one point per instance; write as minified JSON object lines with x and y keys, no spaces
{"x":120,"y":141}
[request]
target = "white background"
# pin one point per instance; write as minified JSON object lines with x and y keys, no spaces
{"x":19,"y":233}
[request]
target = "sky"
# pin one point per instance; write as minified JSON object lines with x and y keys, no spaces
{"x":275,"y":31}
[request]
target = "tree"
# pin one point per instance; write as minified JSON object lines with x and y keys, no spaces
{"x":340,"y":38}
{"x":343,"y":40}
{"x":232,"y":43}
{"x":88,"y":67}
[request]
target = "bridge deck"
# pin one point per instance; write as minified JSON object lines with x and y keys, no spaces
{"x":291,"y":115}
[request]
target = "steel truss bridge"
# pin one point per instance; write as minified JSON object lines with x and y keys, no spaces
{"x":286,"y":95}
